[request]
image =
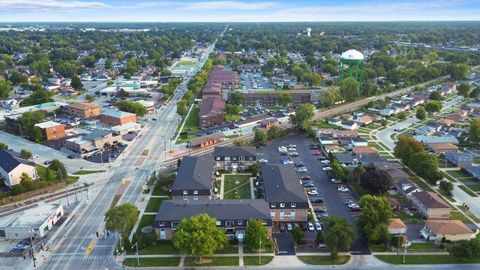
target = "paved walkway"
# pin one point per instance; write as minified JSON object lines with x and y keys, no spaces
{"x":252,"y":190}
{"x":286,"y":261}
{"x":222,"y":186}
{"x":240,"y":255}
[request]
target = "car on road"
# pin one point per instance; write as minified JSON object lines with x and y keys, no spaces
{"x":316,"y":200}
{"x":312,"y":192}
{"x":318,"y":226}
{"x":71,"y":156}
{"x":154,"y":119}
{"x":292,"y":145}
{"x":263,"y":161}
{"x":302,"y":169}
{"x":47,"y":162}
{"x":325,"y":161}
{"x":326,"y":168}
{"x":317,"y":153}
{"x":311,"y":227}
{"x":343,"y":189}
{"x":314,"y":147}
{"x":289,"y":226}
{"x":336,"y":181}
{"x":306,"y":177}
{"x":348,"y":202}
{"x":308,"y":184}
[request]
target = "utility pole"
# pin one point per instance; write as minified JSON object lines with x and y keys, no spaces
{"x":260,"y":252}
{"x":68,"y":202}
{"x":75,"y":192}
{"x":31,"y":247}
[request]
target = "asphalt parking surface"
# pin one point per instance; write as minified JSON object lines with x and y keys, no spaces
{"x":334,"y":200}
{"x":284,"y":243}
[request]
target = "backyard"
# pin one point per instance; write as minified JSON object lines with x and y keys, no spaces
{"x":237,"y":186}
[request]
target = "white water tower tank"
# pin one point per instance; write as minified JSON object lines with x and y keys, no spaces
{"x":309,"y":30}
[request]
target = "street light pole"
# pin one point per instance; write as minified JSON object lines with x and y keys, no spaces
{"x":31,"y":247}
{"x":68,"y":202}
{"x":260,"y":252}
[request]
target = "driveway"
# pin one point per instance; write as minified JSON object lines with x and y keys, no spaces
{"x":284,"y":243}
{"x":413,"y":232}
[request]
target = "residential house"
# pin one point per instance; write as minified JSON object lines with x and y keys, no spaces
{"x":364,"y":150}
{"x":356,"y":142}
{"x":205,"y":141}
{"x":474,"y":171}
{"x":445,"y":122}
{"x":194,"y":180}
{"x":285,"y":196}
{"x":116,"y":117}
{"x":231,"y":215}
{"x":212,"y":112}
{"x":441,"y":148}
{"x":348,"y":124}
{"x":12,"y":167}
{"x":397,"y":227}
{"x":459,"y":159}
{"x":83,"y":110}
{"x":234,"y":159}
{"x":431,"y":205}
{"x":425,"y":130}
{"x":447,"y":88}
{"x":396,"y":174}
{"x":51,"y":130}
{"x":446,"y":230}
{"x":149,"y":105}
{"x":437,"y":139}
{"x":406,"y":188}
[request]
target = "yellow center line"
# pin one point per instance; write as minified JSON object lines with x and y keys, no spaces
{"x":90,"y":246}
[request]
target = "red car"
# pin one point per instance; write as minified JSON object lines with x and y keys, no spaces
{"x":317,"y":153}
{"x":306,"y":177}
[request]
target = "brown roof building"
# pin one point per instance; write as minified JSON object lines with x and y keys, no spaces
{"x":446,"y":230}
{"x":397,"y":226}
{"x":431,"y":205}
{"x":51,"y":130}
{"x":206,"y":140}
{"x":212,"y":112}
{"x":211,"y":90}
{"x":226,"y":78}
{"x":83,"y":110}
{"x":116,"y":117}
{"x":441,"y":148}
{"x":364,"y":150}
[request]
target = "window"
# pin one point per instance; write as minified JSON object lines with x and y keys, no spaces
{"x":161,"y":224}
{"x":227,"y":159}
{"x":195,"y":192}
{"x":239,"y":222}
{"x":241,"y":158}
{"x":272,"y":214}
{"x":219,"y":223}
{"x":272,"y":205}
{"x":234,"y":158}
{"x":174,"y":224}
{"x":185,"y":192}
{"x":217,"y":158}
{"x":293,"y":205}
{"x":195,"y":198}
{"x":229,"y":223}
{"x":282,"y":205}
{"x":292,"y":214}
{"x":282,"y":214}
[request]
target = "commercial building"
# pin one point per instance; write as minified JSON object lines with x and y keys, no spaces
{"x":116,"y":117}
{"x":234,"y":159}
{"x":285,"y":196}
{"x":212,"y":112}
{"x":51,"y":130}
{"x":205,"y":141}
{"x":446,"y":230}
{"x":431,"y":205}
{"x":231,"y":215}
{"x":83,"y":110}
{"x":194,"y":180}
{"x":12,"y":167}
{"x":33,"y":222}
{"x":92,"y":142}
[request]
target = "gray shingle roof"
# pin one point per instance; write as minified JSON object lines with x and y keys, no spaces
{"x":282,"y":184}
{"x":7,"y":161}
{"x":194,"y":174}
{"x":172,"y":210}
{"x":233,"y":151}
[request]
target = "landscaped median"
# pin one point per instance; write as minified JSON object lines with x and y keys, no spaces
{"x":425,"y":259}
{"x":324,"y":260}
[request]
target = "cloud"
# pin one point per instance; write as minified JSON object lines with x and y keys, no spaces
{"x":48,"y":4}
{"x":230,"y":5}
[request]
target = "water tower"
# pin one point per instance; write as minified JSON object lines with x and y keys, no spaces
{"x":351,"y":65}
{"x":309,"y":30}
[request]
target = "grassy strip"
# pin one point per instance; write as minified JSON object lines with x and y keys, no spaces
{"x":254,"y":260}
{"x":213,"y":261}
{"x":84,"y":172}
{"x":324,"y":260}
{"x":424,"y":259}
{"x":423,"y":246}
{"x":154,"y":204}
{"x":152,"y":262}
{"x":468,"y":191}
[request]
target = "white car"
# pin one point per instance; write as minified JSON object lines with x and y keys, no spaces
{"x":302,"y":169}
{"x":312,"y":192}
{"x":263,"y":161}
{"x":291,"y":149}
{"x":318,"y":226}
{"x":326,"y":161}
{"x":289,"y":226}
{"x":311,"y":227}
{"x":343,"y":189}
{"x":293,"y":154}
{"x":292,"y":145}
{"x":326,"y":168}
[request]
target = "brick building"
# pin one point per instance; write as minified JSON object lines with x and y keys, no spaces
{"x":116,"y":117}
{"x":268,"y":98}
{"x":51,"y":130}
{"x":194,"y":180}
{"x":83,"y":110}
{"x":212,"y":112}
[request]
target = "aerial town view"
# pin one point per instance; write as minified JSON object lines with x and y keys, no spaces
{"x":239,"y":134}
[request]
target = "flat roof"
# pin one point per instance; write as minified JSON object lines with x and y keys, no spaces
{"x":29,"y":218}
{"x":48,"y":124}
{"x":116,"y":113}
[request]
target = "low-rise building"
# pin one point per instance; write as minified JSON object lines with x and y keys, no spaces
{"x":364,"y":150}
{"x":212,"y":90}
{"x":12,"y":167}
{"x":446,"y":230}
{"x":441,"y":148}
{"x":285,"y":196}
{"x":234,"y":159}
{"x":116,"y":117}
{"x":459,"y":159}
{"x":474,"y":171}
{"x":33,"y":222}
{"x":431,"y":205}
{"x":194,"y":180}
{"x":51,"y":130}
{"x":205,"y":141}
{"x":83,"y":110}
{"x":437,"y":139}
{"x":87,"y":144}
{"x":397,"y":227}
{"x":269,"y":98}
{"x":212,"y":112}
{"x":406,"y":187}
{"x":231,"y":215}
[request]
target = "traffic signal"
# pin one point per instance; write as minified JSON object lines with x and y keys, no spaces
{"x":97,"y":234}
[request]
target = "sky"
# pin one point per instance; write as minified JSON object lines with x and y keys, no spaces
{"x":236,"y":10}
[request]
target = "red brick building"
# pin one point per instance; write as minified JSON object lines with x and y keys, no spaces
{"x":51,"y":130}
{"x":212,"y":112}
{"x":116,"y":117}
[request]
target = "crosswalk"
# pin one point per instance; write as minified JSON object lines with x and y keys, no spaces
{"x":78,"y":258}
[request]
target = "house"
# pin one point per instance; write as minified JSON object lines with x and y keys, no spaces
{"x":447,"y":88}
{"x":396,"y":174}
{"x":446,"y":230}
{"x":205,"y":141}
{"x":12,"y":167}
{"x":436,"y":139}
{"x":344,"y":134}
{"x":268,"y":123}
{"x":116,"y":117}
{"x":459,"y":159}
{"x":445,"y":122}
{"x":474,"y":171}
{"x":51,"y":130}
{"x":363,"y":120}
{"x":367,"y":160}
{"x":331,"y":149}
{"x":348,"y":124}
{"x":397,"y":227}
{"x":83,"y":110}
{"x":285,"y":196}
{"x":335,"y":121}
{"x":212,"y":112}
{"x":194,"y":180}
{"x":441,"y":148}
{"x":364,"y":150}
{"x":234,"y":158}
{"x":431,"y":205}
{"x":405,"y":187}
{"x":425,"y":130}
{"x":355,"y":142}
{"x":231,"y":215}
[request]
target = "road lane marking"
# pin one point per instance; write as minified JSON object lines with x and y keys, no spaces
{"x":90,"y":246}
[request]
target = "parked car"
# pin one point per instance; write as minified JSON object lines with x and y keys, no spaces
{"x":318,"y":226}
{"x":326,"y":168}
{"x":263,"y":161}
{"x":343,"y":189}
{"x":312,"y":192}
{"x":71,"y":156}
{"x":317,"y":153}
{"x":47,"y":162}
{"x":292,"y":145}
{"x":289,"y":226}
{"x":336,"y":181}
{"x":325,"y":161}
{"x":293,"y":154}
{"x":316,"y":200}
{"x":308,"y":184}
{"x":306,"y":177}
{"x":311,"y":227}
{"x":302,"y":169}
{"x":321,"y":209}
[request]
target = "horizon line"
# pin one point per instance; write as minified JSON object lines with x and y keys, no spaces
{"x":243,"y":22}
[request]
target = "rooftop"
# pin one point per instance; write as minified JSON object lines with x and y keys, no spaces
{"x":117,"y":113}
{"x":448,"y":227}
{"x":396,"y":223}
{"x":83,"y":105}
{"x":10,"y":161}
{"x":195,"y":173}
{"x":430,"y":199}
{"x":212,"y":106}
{"x":282,"y":184}
{"x":48,"y":124}
{"x":31,"y":217}
{"x":233,"y":151}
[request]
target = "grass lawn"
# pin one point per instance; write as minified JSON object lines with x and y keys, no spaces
{"x":228,"y":249}
{"x":468,"y":213}
{"x":84,"y":172}
{"x":424,"y":259}
{"x":185,"y":63}
{"x":474,"y":187}
{"x":154,"y":204}
{"x":152,"y":262}
{"x":266,"y":248}
{"x":323,"y":124}
{"x":376,"y":146}
{"x":458,"y":174}
{"x":186,"y":139}
{"x":191,"y":123}
{"x":213,"y":261}
{"x":160,"y":247}
{"x":146,"y":220}
{"x":237,"y":187}
{"x":157,"y":191}
{"x":457,"y":215}
{"x":423,"y":246}
{"x":469,"y":192}
{"x":377,"y":248}
{"x":421,"y":184}
{"x":448,"y":177}
{"x":254,"y":260}
{"x":324,"y":260}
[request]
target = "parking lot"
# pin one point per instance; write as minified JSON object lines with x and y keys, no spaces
{"x":255,"y":81}
{"x":334,"y":200}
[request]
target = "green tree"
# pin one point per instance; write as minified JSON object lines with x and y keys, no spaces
{"x":446,"y":187}
{"x":465,"y":249}
{"x":89,"y":98}
{"x":349,"y":89}
{"x":433,"y":106}
{"x":338,"y":235}
{"x":24,"y":153}
{"x":474,"y":131}
{"x":402,"y":115}
{"x":406,"y":146}
{"x":26,"y":181}
{"x":182,"y":108}
{"x":303,"y":115}
{"x":464,"y":89}
{"x":260,"y":137}
{"x":375,"y":217}
{"x":131,"y":106}
{"x":189,"y":96}
{"x":236,"y":98}
{"x":297,"y":235}
{"x":458,"y":71}
{"x":232,"y":109}
{"x":3,"y":146}
{"x":425,"y":165}
{"x":475,"y":93}
{"x":435,"y":95}
{"x":60,"y":175}
{"x":57,"y":165}
{"x":274,"y":132}
{"x":36,"y":135}
{"x":77,"y":83}
{"x":28,"y":120}
{"x":255,"y":168}
{"x":338,"y":171}
{"x":121,"y":219}
{"x":199,"y":236}
{"x":375,"y":181}
{"x":421,"y":114}
{"x":284,"y":99}
{"x":255,"y":233}
{"x":5,"y":88}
